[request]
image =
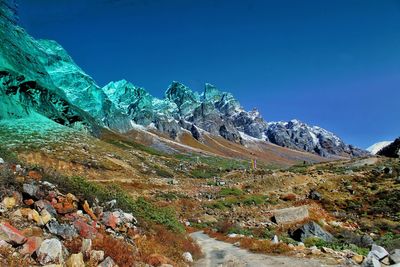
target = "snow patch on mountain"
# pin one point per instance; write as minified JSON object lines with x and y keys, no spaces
{"x":375,"y":148}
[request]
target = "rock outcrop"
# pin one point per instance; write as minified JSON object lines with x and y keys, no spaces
{"x":392,"y":150}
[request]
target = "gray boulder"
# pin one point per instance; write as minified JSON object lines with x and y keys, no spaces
{"x":62,"y":230}
{"x":50,"y":251}
{"x":290,"y":215}
{"x":311,"y":229}
{"x":394,"y":256}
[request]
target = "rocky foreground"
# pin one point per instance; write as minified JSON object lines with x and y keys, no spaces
{"x":42,"y":226}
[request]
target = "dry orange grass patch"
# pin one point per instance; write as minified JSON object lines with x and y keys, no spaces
{"x":164,"y":245}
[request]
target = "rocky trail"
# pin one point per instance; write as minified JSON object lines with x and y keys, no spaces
{"x":218,"y":253}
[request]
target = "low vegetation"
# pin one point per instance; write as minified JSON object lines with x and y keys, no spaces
{"x":143,"y":209}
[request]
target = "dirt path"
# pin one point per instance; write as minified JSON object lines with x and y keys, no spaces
{"x":221,"y":254}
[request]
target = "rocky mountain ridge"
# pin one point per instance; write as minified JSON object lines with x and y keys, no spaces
{"x":38,"y":76}
{"x":219,"y":113}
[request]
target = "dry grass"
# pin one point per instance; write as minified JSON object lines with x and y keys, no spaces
{"x":254,"y":245}
{"x":7,"y":259}
{"x":121,"y":252}
{"x":167,"y":243}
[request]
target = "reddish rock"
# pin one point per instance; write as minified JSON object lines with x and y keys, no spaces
{"x":65,"y":207}
{"x":11,"y":234}
{"x":32,"y":231}
{"x":84,"y":229}
{"x":157,"y":260}
{"x":89,"y":211}
{"x":289,"y":197}
{"x":35,"y":175}
{"x":110,"y":219}
{"x":32,"y":244}
{"x":29,"y":202}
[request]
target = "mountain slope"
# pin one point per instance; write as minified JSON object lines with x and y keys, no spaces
{"x":38,"y":76}
{"x":392,"y":150}
{"x":375,"y":148}
{"x":220,"y":114}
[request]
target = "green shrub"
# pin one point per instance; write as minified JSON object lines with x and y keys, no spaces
{"x":8,"y":156}
{"x":141,"y":208}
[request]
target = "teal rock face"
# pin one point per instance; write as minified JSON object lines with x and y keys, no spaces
{"x":184,"y":98}
{"x":43,"y":71}
{"x":144,"y":109}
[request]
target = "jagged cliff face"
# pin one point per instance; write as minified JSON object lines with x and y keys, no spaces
{"x":220,"y":114}
{"x":38,"y":76}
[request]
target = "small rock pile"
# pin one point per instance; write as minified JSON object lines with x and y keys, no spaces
{"x":37,"y":219}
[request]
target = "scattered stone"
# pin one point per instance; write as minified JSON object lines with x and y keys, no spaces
{"x":32,"y":231}
{"x":32,"y":245}
{"x":315,"y":250}
{"x":187,"y":256}
{"x":64,"y":206}
{"x":108,"y":262}
{"x":110,"y":204}
{"x":173,"y":182}
{"x":394,"y":256}
{"x":45,"y":216}
{"x":41,"y":205}
{"x":385,"y":261}
{"x":311,"y":229}
{"x":35,"y":216}
{"x":63,"y":230}
{"x":30,"y":189}
{"x":9,"y":202}
{"x":75,"y":260}
{"x":275,"y":239}
{"x":86,"y":247}
{"x":50,"y":251}
{"x":358,"y":259}
{"x":2,"y":161}
{"x":327,"y":250}
{"x":29,"y":202}
{"x":18,"y":168}
{"x":35,"y":175}
{"x":97,"y":255}
{"x":378,"y":252}
{"x":11,"y":234}
{"x":110,"y":219}
{"x":314,"y":195}
{"x":89,"y":211}
{"x":290,"y":215}
{"x":85,"y":230}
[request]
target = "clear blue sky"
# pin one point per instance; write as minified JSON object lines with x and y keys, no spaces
{"x":334,"y":63}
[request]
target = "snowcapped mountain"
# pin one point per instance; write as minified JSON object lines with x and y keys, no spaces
{"x":375,"y":148}
{"x":298,"y":135}
{"x":219,"y":113}
{"x":392,"y":150}
{"x":38,"y":76}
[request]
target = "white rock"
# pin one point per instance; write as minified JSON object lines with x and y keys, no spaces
{"x":275,"y":239}
{"x":187,"y":257}
{"x":50,"y":251}
{"x":379,"y":252}
{"x":2,"y":161}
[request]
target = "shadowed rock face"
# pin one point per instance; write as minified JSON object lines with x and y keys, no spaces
{"x":392,"y":150}
{"x":39,"y":76}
